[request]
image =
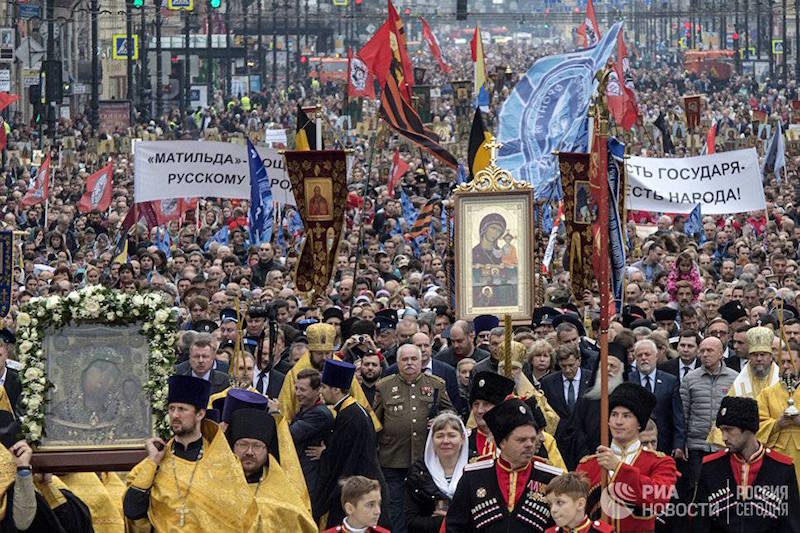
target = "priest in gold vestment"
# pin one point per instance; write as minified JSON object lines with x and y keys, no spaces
{"x":251,"y":433}
{"x":757,"y":374}
{"x":193,"y":481}
{"x":320,"y":346}
{"x":779,"y":430}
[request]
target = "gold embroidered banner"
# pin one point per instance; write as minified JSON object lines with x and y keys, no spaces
{"x":319,"y":183}
{"x":578,"y":216}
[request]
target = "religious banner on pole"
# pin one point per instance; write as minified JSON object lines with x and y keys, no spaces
{"x":691,"y":107}
{"x":578,"y":217}
{"x":319,"y":182}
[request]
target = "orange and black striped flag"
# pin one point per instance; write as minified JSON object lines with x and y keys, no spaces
{"x":422,"y":226}
{"x":399,"y":114}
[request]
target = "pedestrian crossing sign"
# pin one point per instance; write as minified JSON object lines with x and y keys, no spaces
{"x":777,"y":46}
{"x":340,"y":3}
{"x":120,"y":47}
{"x":180,"y":5}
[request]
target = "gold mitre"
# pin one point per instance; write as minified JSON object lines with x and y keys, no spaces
{"x":320,"y":337}
{"x":759,"y":339}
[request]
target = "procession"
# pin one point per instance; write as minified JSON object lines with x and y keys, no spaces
{"x":409,"y":268}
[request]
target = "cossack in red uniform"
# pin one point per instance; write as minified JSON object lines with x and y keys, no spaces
{"x":757,"y":494}
{"x":644,"y":482}
{"x":589,"y":526}
{"x":492,"y":495}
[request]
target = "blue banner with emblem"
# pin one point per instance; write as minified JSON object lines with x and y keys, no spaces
{"x":546,"y":112}
{"x":616,"y":229}
{"x":6,"y":270}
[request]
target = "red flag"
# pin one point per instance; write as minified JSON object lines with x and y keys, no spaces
{"x":172,"y":209}
{"x":377,"y":54}
{"x":6,"y":99}
{"x":711,"y":138}
{"x":399,"y":168}
{"x":3,"y":136}
{"x":401,"y":63}
{"x":598,"y":178}
{"x":99,"y":189}
{"x":589,"y":30}
{"x":41,"y":185}
{"x":433,"y":43}
{"x":621,"y":98}
{"x":360,"y":81}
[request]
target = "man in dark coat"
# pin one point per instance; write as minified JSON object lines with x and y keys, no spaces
{"x":312,"y":424}
{"x":351,"y":449}
{"x":745,"y":487}
{"x":505,"y":494}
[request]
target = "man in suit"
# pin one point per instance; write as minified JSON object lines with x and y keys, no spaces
{"x":266,"y":379}
{"x":201,"y":361}
{"x":570,"y":330}
{"x":9,"y":378}
{"x":563,"y":388}
{"x":668,"y":412}
{"x":688,"y":344}
{"x":435,"y":368}
{"x":461,"y":345}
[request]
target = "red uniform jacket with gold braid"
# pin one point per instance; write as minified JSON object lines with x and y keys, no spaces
{"x":633,"y":491}
{"x":588,"y":526}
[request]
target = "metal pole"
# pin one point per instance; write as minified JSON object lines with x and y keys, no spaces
{"x":129,"y":43}
{"x":228,"y":47}
{"x":274,"y":44}
{"x":209,"y":60}
{"x":758,"y":29}
{"x":262,"y":60}
{"x":50,"y":76}
{"x":297,"y":41}
{"x":769,"y":43}
{"x":797,"y":40}
{"x":244,"y":40}
{"x":187,"y":73}
{"x":159,"y":66}
{"x":785,"y":49}
{"x":286,"y":40}
{"x":746,"y":26}
{"x":306,"y":25}
{"x":94,"y":115}
{"x":144,"y":104}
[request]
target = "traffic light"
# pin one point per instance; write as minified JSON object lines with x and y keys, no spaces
{"x":407,"y":11}
{"x":461,"y":9}
{"x":215,"y":4}
{"x":138,"y":3}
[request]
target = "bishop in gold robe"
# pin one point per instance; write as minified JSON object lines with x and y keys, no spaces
{"x":320,"y":345}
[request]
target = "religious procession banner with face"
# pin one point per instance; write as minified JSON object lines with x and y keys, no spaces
{"x":94,"y":371}
{"x":319,"y":182}
{"x":579,"y":216}
{"x":494,"y":246}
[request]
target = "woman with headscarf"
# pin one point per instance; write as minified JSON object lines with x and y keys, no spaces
{"x":432,"y":480}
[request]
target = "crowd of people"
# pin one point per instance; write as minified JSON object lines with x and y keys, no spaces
{"x":374,"y":407}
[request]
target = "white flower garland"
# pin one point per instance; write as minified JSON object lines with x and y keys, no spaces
{"x":94,"y":305}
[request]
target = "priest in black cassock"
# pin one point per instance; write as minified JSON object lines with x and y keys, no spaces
{"x":351,"y":449}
